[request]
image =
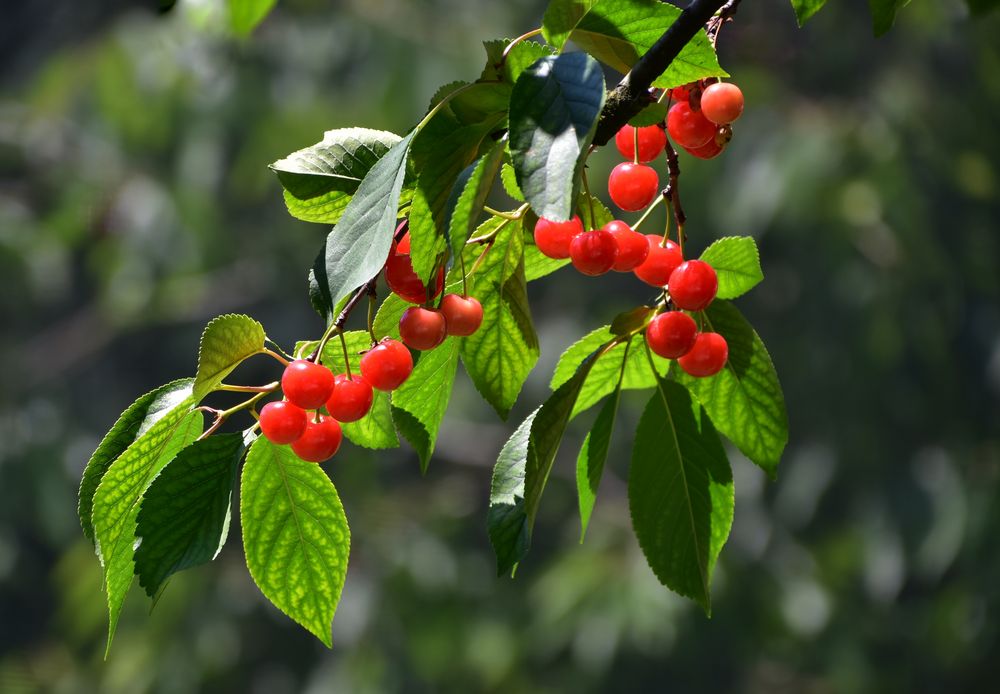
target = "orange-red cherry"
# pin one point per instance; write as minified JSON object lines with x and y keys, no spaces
{"x":282,"y":422}
{"x":387,"y":365}
{"x":422,"y":328}
{"x":652,"y":140}
{"x":553,"y":238}
{"x":633,"y":247}
{"x":709,"y":150}
{"x":693,"y":285}
{"x":462,"y":314}
{"x":687,"y":127}
{"x":351,"y":400}
{"x":594,"y":252}
{"x":401,"y":278}
{"x":633,"y":186}
{"x":660,"y":263}
{"x":707,"y":356}
{"x":722,"y":102}
{"x":307,"y":384}
{"x":671,"y":334}
{"x":320,"y":440}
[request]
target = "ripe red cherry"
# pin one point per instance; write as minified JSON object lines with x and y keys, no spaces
{"x":722,"y":102}
{"x":386,"y":365}
{"x":660,"y":263}
{"x":687,"y":127}
{"x":553,"y":238}
{"x":401,"y":278}
{"x":652,"y":140}
{"x":351,"y":399}
{"x":320,"y":440}
{"x":707,"y":357}
{"x":693,"y":285}
{"x":680,"y":94}
{"x":422,"y":328}
{"x":671,"y":334}
{"x":594,"y":252}
{"x":709,"y":150}
{"x":462,"y":315}
{"x":306,"y":384}
{"x":633,"y":247}
{"x":633,"y":186}
{"x":282,"y":422}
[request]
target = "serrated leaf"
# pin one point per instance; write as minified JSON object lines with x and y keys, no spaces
{"x":561,"y":17}
{"x":593,"y":454}
{"x":744,"y":400}
{"x":226,"y":342}
{"x":357,"y":247}
{"x":593,"y":213}
{"x":183,"y":518}
{"x":538,"y":265}
{"x":116,"y":501}
{"x":554,"y":109}
{"x":654,"y":114}
{"x":295,"y":535}
{"x":320,"y":180}
{"x":386,"y":323}
{"x":509,"y":180}
{"x":805,"y":9}
{"x":736,"y":261}
{"x":418,"y":406}
{"x":133,"y":423}
{"x":517,"y":61}
{"x":245,"y":15}
{"x":680,"y":492}
{"x":468,"y":196}
{"x":884,"y":14}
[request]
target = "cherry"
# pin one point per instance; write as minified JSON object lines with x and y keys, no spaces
{"x":722,"y":102}
{"x":709,"y":150}
{"x":652,"y":140}
{"x":306,"y":384}
{"x":282,"y":422}
{"x":687,"y":127}
{"x":693,"y":285}
{"x":352,"y":398}
{"x":401,"y":278}
{"x":320,"y":441}
{"x":462,"y":314}
{"x":633,"y":186}
{"x":707,"y":357}
{"x":386,"y":365}
{"x":671,"y":334}
{"x":680,"y":94}
{"x":553,"y":238}
{"x":594,"y":252}
{"x":633,"y":247}
{"x":422,"y":328}
{"x":661,"y":261}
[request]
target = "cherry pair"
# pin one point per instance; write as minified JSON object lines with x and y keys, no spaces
{"x":615,"y":246}
{"x":632,"y":185}
{"x":426,"y":328}
{"x":674,"y":335}
{"x":701,"y":126}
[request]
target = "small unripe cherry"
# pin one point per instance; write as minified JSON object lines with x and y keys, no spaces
{"x":351,"y":400}
{"x":307,"y":384}
{"x":553,"y":238}
{"x":387,"y":365}
{"x":707,"y":356}
{"x":402,"y":279}
{"x":422,"y":328}
{"x":320,"y":440}
{"x":693,"y":285}
{"x":462,"y":314}
{"x":709,"y":150}
{"x":652,"y":140}
{"x":662,"y":260}
{"x":633,"y":186}
{"x":282,"y":422}
{"x":633,"y":247}
{"x":722,"y":102}
{"x":687,"y":127}
{"x":671,"y":334}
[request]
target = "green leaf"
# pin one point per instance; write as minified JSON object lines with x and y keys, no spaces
{"x":183,"y":519}
{"x":633,"y":320}
{"x":386,"y":323}
{"x":468,"y":196}
{"x":226,"y":342}
{"x":981,"y":7}
{"x":538,"y":265}
{"x":116,"y":502}
{"x":518,"y":59}
{"x":320,"y":180}
{"x":554,"y":109}
{"x":680,"y":492}
{"x":133,"y":423}
{"x":737,"y":263}
{"x":593,"y":213}
{"x":245,"y":15}
{"x":561,"y":17}
{"x":418,"y":406}
{"x":654,"y":114}
{"x":357,"y":247}
{"x":375,"y":430}
{"x":509,"y":180}
{"x":744,"y":400}
{"x":295,"y":535}
{"x":884,"y":14}
{"x":805,"y":9}
{"x":593,"y":454}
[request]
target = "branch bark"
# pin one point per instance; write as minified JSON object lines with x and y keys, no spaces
{"x":632,"y":93}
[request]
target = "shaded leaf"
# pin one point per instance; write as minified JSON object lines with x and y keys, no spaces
{"x":884,"y":14}
{"x":805,"y":9}
{"x":654,"y":114}
{"x":593,"y":454}
{"x":468,"y":196}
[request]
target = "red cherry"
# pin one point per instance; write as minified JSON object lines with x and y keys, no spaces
{"x":351,"y":399}
{"x":306,"y":384}
{"x":687,"y":127}
{"x":553,"y":238}
{"x":680,"y":94}
{"x":462,"y":315}
{"x":707,"y":357}
{"x":652,"y":140}
{"x":661,"y":261}
{"x":722,"y":102}
{"x":633,"y":247}
{"x":422,"y":328}
{"x":633,"y":186}
{"x":693,"y":285}
{"x":594,"y":252}
{"x":671,"y":334}
{"x":320,"y":440}
{"x":403,"y":245}
{"x":282,"y":422}
{"x":386,"y":365}
{"x":401,"y":278}
{"x":709,"y":150}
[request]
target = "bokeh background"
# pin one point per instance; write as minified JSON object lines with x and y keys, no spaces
{"x":136,"y":204}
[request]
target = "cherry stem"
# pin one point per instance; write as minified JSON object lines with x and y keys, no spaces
{"x":488,"y":238}
{"x":269,"y":388}
{"x":586,"y":189}
{"x":507,"y":49}
{"x":222,"y":415}
{"x":372,"y":302}
{"x":649,"y":210}
{"x":465,"y":280}
{"x":635,"y":145}
{"x":347,"y":359}
{"x":274,"y":354}
{"x":497,"y":213}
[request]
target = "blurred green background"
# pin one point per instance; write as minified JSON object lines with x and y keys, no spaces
{"x":136,"y":204}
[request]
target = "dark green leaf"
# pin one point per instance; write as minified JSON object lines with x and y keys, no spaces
{"x":884,"y":14}
{"x":981,"y":7}
{"x":737,"y":263}
{"x":468,"y":196}
{"x":593,"y":454}
{"x":805,"y":9}
{"x":680,"y":492}
{"x":245,"y":15}
{"x":561,"y":17}
{"x":653,"y":114}
{"x":226,"y":342}
{"x":631,"y":321}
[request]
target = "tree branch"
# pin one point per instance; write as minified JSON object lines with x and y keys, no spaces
{"x":632,"y":93}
